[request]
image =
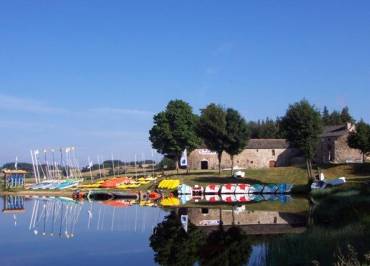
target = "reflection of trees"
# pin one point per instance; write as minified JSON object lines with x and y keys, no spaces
{"x":229,"y":247}
{"x":173,"y":246}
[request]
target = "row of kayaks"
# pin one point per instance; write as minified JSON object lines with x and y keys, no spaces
{"x":235,"y":198}
{"x":57,"y":184}
{"x":120,"y":183}
{"x":216,"y":189}
{"x":169,"y":184}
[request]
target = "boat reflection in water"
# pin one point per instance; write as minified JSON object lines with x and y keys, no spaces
{"x":58,"y":216}
{"x":208,"y":234}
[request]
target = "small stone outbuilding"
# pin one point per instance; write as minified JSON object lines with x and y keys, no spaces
{"x":333,"y":146}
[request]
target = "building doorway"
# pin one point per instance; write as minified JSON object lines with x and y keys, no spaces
{"x":204,"y":165}
{"x":272,"y":164}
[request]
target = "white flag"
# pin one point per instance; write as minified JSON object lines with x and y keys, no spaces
{"x":37,"y":152}
{"x":90,"y":165}
{"x":184,"y":158}
{"x":16,"y":163}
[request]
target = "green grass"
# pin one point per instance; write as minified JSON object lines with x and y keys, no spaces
{"x":293,"y":175}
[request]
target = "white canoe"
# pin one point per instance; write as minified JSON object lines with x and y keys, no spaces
{"x":242,"y":188}
{"x":212,"y":189}
{"x":228,"y":189}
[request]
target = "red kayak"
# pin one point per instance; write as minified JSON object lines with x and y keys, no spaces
{"x":154,"y":195}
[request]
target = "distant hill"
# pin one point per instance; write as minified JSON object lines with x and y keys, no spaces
{"x":22,"y":166}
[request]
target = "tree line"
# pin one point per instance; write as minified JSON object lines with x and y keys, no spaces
{"x":224,"y":129}
{"x":271,"y":128}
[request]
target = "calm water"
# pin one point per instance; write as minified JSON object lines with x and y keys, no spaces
{"x":58,"y":231}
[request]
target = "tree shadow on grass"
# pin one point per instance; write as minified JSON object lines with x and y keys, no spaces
{"x":227,"y":180}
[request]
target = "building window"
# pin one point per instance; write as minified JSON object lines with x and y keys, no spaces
{"x":204,"y":210}
{"x":251,"y":162}
{"x":273,"y":152}
{"x":257,"y":150}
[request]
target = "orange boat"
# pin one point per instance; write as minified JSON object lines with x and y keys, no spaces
{"x":154,"y":195}
{"x":117,"y":203}
{"x":114,"y":182}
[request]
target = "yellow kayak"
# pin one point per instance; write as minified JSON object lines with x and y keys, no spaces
{"x":171,"y":201}
{"x":169,"y":184}
{"x":133,"y":185}
{"x":122,"y":186}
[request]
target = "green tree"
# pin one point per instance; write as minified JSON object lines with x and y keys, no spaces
{"x":172,"y":245}
{"x":302,"y":127}
{"x":360,"y":139}
{"x":335,"y":118}
{"x":212,"y":129}
{"x":237,"y":134}
{"x":345,"y":116}
{"x":264,"y":129}
{"x":326,"y":116}
{"x":174,"y":130}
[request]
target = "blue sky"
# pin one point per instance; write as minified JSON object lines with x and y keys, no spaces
{"x":93,"y":73}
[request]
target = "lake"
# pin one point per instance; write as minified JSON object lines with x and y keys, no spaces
{"x":60,"y":231}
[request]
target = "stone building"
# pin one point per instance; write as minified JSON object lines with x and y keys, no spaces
{"x":333,"y":146}
{"x":252,"y":222}
{"x":260,"y":153}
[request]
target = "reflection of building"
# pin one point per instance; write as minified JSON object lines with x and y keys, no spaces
{"x":13,"y":204}
{"x":333,"y":147}
{"x":252,"y":222}
{"x":260,"y":153}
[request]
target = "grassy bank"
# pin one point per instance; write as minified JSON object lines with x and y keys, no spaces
{"x":338,"y":234}
{"x":293,"y":175}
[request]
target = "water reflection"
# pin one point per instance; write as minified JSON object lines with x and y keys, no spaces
{"x":137,"y":232}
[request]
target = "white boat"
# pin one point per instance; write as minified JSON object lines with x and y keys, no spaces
{"x":184,"y":189}
{"x":242,"y":188}
{"x":228,"y":189}
{"x":212,"y":189}
{"x":212,"y":198}
{"x":243,"y":197}
{"x":228,"y":198}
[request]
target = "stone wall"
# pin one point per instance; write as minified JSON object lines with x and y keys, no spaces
{"x":210,"y":216}
{"x":336,"y":150}
{"x":345,"y":154}
{"x":249,"y":158}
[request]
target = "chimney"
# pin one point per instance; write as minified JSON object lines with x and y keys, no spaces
{"x":350,"y":127}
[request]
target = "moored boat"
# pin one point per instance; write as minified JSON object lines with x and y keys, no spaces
{"x":242,"y":189}
{"x":212,"y":189}
{"x":228,"y":189}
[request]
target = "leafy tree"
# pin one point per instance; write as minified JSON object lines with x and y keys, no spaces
{"x":237,"y":134}
{"x":265,"y":129}
{"x":212,"y":129}
{"x":336,"y":117}
{"x":302,"y":126}
{"x":171,"y":164}
{"x":345,"y":116}
{"x":360,"y":139}
{"x":230,"y":247}
{"x":172,"y":245}
{"x":174,"y":130}
{"x":326,"y":116}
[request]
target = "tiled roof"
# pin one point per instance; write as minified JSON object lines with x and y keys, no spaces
{"x":268,"y":144}
{"x":334,"y":131}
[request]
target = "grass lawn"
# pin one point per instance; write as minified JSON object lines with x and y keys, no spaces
{"x":293,"y":175}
